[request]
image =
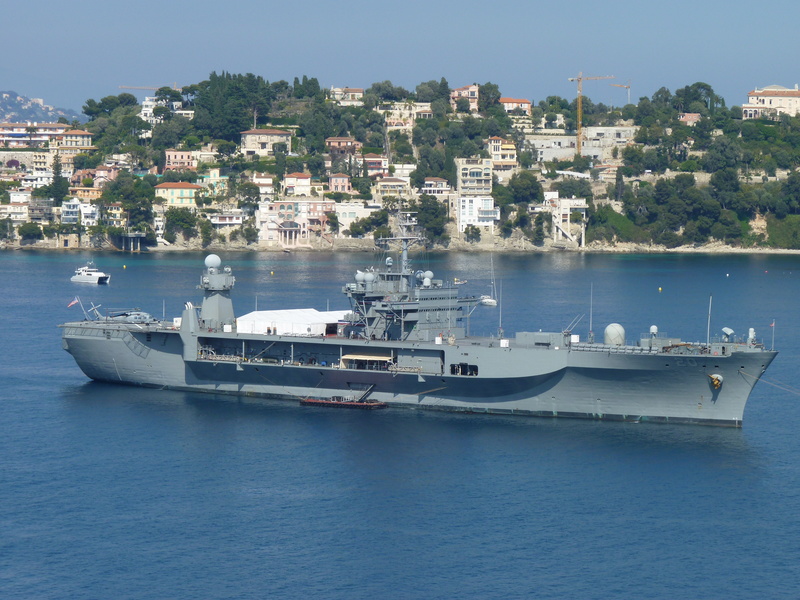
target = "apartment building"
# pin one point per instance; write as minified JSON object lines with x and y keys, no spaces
{"x":504,"y":156}
{"x":474,"y":204}
{"x":30,"y":135}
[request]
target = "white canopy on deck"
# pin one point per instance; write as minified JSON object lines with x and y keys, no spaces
{"x":299,"y":321}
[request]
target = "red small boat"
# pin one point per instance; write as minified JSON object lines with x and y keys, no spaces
{"x":343,"y":402}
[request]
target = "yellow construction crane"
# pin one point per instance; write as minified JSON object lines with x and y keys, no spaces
{"x":580,"y":79}
{"x":627,"y":87}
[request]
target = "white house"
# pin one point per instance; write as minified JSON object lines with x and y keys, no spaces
{"x":478,"y":211}
{"x":771,"y":101}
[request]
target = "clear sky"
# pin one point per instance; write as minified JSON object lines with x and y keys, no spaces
{"x":67,"y":52}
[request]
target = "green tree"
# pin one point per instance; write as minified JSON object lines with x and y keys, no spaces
{"x":525,"y":188}
{"x":472,"y":234}
{"x":488,"y":96}
{"x":432,"y":217}
{"x":30,"y":232}
{"x":180,"y":220}
{"x":59,"y":188}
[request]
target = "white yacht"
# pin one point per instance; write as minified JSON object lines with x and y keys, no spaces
{"x":89,"y":274}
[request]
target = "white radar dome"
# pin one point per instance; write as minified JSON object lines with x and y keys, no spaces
{"x":213,"y":261}
{"x":428,"y":275}
{"x":614,"y":335}
{"x":359,"y":277}
{"x":369,"y":277}
{"x":426,"y":282}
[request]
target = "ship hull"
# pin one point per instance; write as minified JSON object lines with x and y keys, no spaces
{"x":512,"y":380}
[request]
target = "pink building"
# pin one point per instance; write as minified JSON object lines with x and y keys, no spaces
{"x":340,"y":183}
{"x":343,"y":145}
{"x":470,"y":92}
{"x":179,"y":160}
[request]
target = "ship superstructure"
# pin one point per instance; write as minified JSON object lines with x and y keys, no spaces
{"x":404,"y":342}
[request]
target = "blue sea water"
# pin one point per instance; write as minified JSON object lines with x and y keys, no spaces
{"x":118,"y":492}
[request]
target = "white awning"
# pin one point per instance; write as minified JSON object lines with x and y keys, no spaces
{"x":366,"y":357}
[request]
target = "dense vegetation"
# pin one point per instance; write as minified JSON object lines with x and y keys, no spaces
{"x":739,"y":159}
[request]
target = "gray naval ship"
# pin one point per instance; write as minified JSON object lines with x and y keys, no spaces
{"x":403,"y":342}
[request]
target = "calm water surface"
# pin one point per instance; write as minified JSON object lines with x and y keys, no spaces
{"x":116,"y":492}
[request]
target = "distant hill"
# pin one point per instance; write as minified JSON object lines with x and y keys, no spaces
{"x":21,"y":109}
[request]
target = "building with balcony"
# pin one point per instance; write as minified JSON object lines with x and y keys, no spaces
{"x":771,"y":102}
{"x":261,"y":142}
{"x":402,"y":116}
{"x":504,"y":156}
{"x":179,"y":194}
{"x":561,"y":211}
{"x":374,"y":165}
{"x":474,"y":176}
{"x":30,"y":135}
{"x":228,"y":218}
{"x":289,"y":223}
{"x":78,"y":212}
{"x":470,"y":92}
{"x":179,"y":160}
{"x":513,"y":104}
{"x":297,"y":184}
{"x":474,"y":204}
{"x":338,"y":146}
{"x":340,"y":182}
{"x":435,"y":186}
{"x":478,"y":211}
{"x":17,"y":212}
{"x":347,"y":96}
{"x":392,"y":186}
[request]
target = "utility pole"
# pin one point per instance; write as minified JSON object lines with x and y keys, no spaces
{"x":580,"y":79}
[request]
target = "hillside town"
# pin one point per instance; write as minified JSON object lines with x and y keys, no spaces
{"x":57,"y":183}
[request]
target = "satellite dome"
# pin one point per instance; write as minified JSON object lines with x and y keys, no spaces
{"x":614,"y":335}
{"x":213,"y":261}
{"x":428,"y":275}
{"x":369,"y":277}
{"x":427,"y":281}
{"x":359,"y":277}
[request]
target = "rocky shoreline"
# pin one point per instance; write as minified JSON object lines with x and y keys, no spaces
{"x":498,"y":245}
